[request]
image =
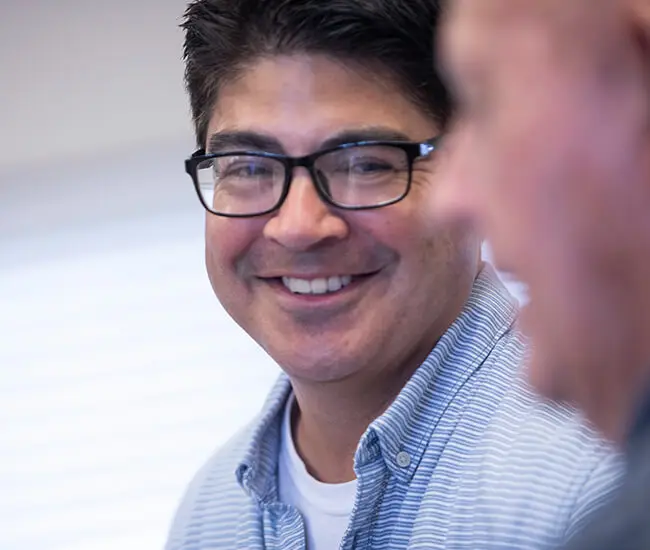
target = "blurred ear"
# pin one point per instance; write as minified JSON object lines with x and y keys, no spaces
{"x":639,"y":10}
{"x":638,"y":14}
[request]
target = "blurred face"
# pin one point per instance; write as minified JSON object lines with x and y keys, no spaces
{"x":551,"y":126}
{"x":332,"y":294}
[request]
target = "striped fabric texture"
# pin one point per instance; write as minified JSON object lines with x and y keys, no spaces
{"x":466,"y":457}
{"x":624,"y":524}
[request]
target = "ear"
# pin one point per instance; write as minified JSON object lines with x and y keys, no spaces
{"x":636,"y":16}
{"x":637,"y":13}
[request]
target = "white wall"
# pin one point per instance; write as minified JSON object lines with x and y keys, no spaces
{"x":117,"y":364}
{"x":82,"y":76}
{"x":119,"y":371}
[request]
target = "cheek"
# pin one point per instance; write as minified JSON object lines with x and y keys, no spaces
{"x":520,"y":182}
{"x":477,"y":174}
{"x":226,"y":241}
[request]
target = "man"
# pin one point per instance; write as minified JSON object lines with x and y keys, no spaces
{"x":402,"y":420}
{"x":551,"y":158}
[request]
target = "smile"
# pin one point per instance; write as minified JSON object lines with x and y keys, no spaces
{"x":316,"y":286}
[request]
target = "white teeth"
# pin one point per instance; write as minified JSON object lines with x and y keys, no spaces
{"x":299,"y":286}
{"x":319,"y":286}
{"x":334,"y":284}
{"x":316,"y":286}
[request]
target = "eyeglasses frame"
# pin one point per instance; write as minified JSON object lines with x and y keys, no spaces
{"x":413,"y":150}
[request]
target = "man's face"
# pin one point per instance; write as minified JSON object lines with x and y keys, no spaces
{"x":549,"y":127}
{"x":406,"y":283}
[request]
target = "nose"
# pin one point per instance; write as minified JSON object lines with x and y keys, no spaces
{"x":455,"y":200}
{"x":304,"y":220}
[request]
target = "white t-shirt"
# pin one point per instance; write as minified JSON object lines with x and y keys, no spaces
{"x":325,"y":507}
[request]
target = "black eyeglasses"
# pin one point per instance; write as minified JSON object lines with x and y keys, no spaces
{"x":353,"y":176}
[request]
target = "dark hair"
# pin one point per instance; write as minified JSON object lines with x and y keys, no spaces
{"x":223,"y":36}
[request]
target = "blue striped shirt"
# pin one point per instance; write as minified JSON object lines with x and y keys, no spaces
{"x":465,"y":457}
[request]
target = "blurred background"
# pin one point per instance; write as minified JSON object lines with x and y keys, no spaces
{"x":119,"y":371}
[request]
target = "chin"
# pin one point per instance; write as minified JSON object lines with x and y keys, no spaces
{"x":316,"y":372}
{"x":305,"y":365}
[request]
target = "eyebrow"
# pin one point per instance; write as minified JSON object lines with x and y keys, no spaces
{"x":364,"y":134}
{"x":243,"y":141}
{"x":246,"y":140}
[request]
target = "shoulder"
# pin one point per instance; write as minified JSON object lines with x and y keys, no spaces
{"x":216,"y":508}
{"x":549,"y":448}
{"x":554,"y":467}
{"x":624,"y":523}
{"x":554,"y":433}
{"x":525,"y":420}
{"x":214,"y":501}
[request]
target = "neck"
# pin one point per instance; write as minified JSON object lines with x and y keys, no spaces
{"x":331,"y":418}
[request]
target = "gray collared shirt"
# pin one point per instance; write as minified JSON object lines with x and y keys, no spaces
{"x":466,"y":457}
{"x":625,"y":523}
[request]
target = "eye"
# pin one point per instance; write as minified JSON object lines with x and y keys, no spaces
{"x":365,"y":167}
{"x":245,"y":169}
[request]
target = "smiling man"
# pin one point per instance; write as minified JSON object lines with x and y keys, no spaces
{"x":402,"y":420}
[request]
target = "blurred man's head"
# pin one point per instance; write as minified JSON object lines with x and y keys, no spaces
{"x":550,"y":158}
{"x":342,"y":277}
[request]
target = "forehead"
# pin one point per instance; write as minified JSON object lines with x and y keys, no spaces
{"x":481,"y":27}
{"x":303,"y":99}
{"x":506,"y":13}
{"x":476,"y":28}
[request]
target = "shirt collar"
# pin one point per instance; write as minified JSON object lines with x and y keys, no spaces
{"x":428,"y":398}
{"x":407,"y":425}
{"x":257,"y":470}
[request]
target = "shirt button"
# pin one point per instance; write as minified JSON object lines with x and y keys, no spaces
{"x":403,"y":459}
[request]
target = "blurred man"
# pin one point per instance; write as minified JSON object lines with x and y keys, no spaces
{"x":402,"y":420}
{"x":551,"y":159}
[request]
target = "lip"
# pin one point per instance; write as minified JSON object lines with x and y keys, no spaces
{"x":316,"y":274}
{"x":343,"y":297}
